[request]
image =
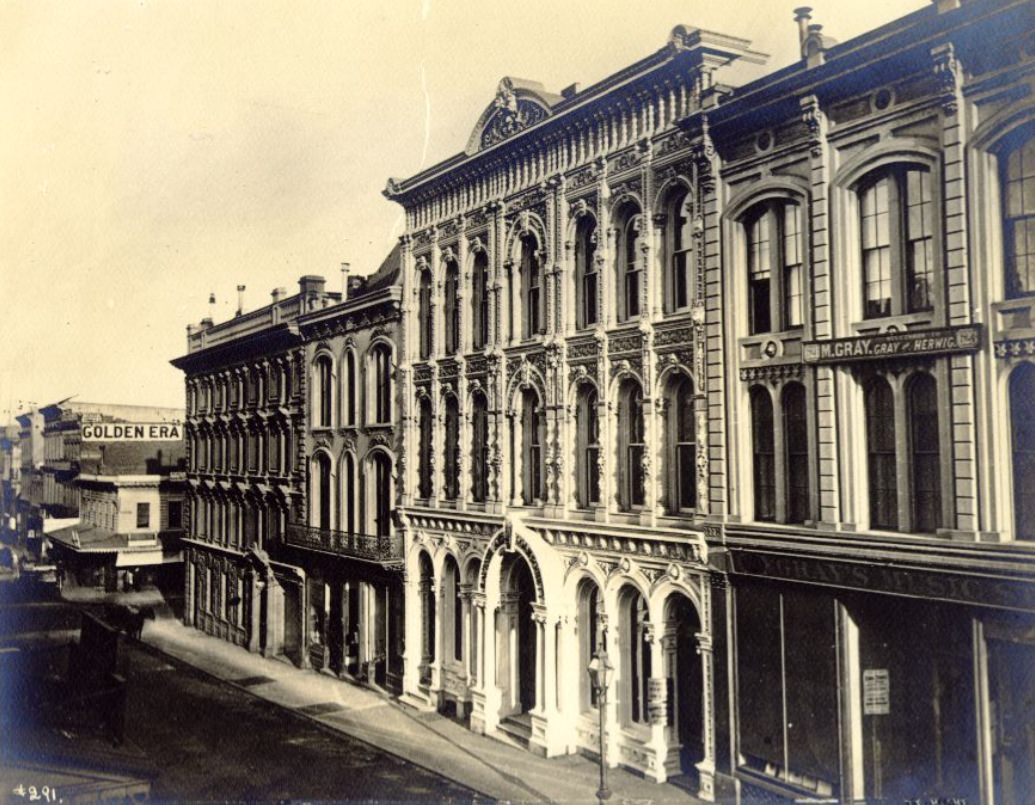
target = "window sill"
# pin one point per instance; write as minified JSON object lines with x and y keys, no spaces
{"x":1014,"y":318}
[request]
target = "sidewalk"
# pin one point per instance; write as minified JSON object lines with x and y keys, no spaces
{"x":491,"y":767}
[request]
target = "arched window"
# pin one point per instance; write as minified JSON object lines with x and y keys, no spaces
{"x":453,"y":614}
{"x":629,"y":265}
{"x":635,"y":659}
{"x":348,"y":493}
{"x":321,"y":489}
{"x":682,"y":428}
{"x":382,"y":494}
{"x":425,"y":313}
{"x":424,"y":485}
{"x":324,"y":396}
{"x":480,"y":299}
{"x":533,"y":427}
{"x":350,"y":388}
{"x":1022,"y":421}
{"x":382,"y":384}
{"x":763,"y":454}
{"x":678,"y":241}
{"x":775,"y":266}
{"x":451,"y":459}
{"x":1018,"y":182}
{"x":897,"y":227}
{"x":796,"y":449}
{"x":630,"y":445}
{"x":880,"y":451}
{"x":586,"y":272}
{"x":479,"y":448}
{"x":531,"y":286}
{"x":925,"y":459}
{"x":587,"y":425}
{"x":452,"y":307}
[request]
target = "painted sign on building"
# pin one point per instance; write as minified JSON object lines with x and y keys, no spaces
{"x":133,"y":432}
{"x":944,"y":340}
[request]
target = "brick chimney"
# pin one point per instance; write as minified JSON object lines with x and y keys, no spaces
{"x":311,"y":284}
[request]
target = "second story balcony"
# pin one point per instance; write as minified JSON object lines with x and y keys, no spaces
{"x":384,"y":550}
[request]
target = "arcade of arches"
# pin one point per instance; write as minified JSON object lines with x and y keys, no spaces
{"x":508,"y":624}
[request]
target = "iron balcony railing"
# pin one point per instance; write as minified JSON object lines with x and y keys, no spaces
{"x":361,"y":546}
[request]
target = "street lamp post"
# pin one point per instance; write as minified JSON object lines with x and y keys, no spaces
{"x":599,"y":671}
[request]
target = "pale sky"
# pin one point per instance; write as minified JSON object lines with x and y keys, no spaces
{"x":154,"y":152}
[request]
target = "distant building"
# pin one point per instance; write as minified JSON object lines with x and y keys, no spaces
{"x":10,"y":480}
{"x":30,"y":491}
{"x":347,"y":541}
{"x":246,"y":406}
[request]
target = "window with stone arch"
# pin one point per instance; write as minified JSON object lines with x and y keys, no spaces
{"x":424,"y":313}
{"x":451,"y":448}
{"x":530,"y":271}
{"x":897,"y":240}
{"x":1022,"y":444}
{"x":795,"y":453}
{"x":628,"y":262}
{"x":348,"y":493}
{"x":775,"y":265}
{"x":681,"y":445}
{"x":882,"y":472}
{"x":763,"y":454}
{"x":320,"y":492}
{"x":678,"y":245}
{"x":451,"y":306}
{"x":479,"y":447}
{"x":924,"y":452}
{"x":630,"y":445}
{"x":533,"y":437}
{"x":380,"y":380}
{"x":323,"y":371}
{"x":586,"y":275}
{"x":480,"y":299}
{"x":381,"y":485}
{"x":348,"y":392}
{"x":587,"y":446}
{"x":425,"y":425}
{"x":1017,"y":178}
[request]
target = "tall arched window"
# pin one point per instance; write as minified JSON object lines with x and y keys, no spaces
{"x":629,"y":266}
{"x":763,"y":454}
{"x":425,"y":323}
{"x":324,"y":393}
{"x":880,"y":451}
{"x":451,"y":459}
{"x":350,"y":388}
{"x":630,"y":445}
{"x":1018,"y":182}
{"x":382,"y":494}
{"x":452,"y":307}
{"x":897,"y":226}
{"x":479,"y":448}
{"x":679,"y":240}
{"x":1022,"y":421}
{"x":531,"y":286}
{"x":586,"y":272}
{"x":480,"y":299}
{"x":775,"y":266}
{"x":382,"y":384}
{"x":925,"y":459}
{"x":533,"y":431}
{"x":424,"y":485}
{"x":321,"y":488}
{"x":587,"y":425}
{"x":635,"y":657}
{"x":348,"y":493}
{"x":796,"y":450}
{"x":682,"y":428}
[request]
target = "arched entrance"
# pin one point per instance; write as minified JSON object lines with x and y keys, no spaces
{"x":685,"y":682}
{"x":516,"y":637}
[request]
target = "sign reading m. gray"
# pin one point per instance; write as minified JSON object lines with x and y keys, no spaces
{"x":966,"y":338}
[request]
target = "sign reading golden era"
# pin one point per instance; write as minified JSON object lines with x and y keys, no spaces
{"x":133,"y":432}
{"x":893,"y":345}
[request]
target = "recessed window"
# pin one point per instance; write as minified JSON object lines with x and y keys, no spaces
{"x":586,"y":276}
{"x":1018,"y":181}
{"x":1022,"y":426}
{"x":143,"y":515}
{"x":776,"y":275}
{"x":587,"y":426}
{"x":480,"y":299}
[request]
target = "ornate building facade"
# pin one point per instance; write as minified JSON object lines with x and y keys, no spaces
{"x":736,"y":383}
{"x":347,"y":541}
{"x":246,"y":401}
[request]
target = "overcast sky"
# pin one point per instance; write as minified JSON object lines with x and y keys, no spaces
{"x":154,"y":152}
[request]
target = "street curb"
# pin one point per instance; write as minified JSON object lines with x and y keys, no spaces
{"x":153,"y":649}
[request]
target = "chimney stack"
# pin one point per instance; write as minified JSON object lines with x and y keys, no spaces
{"x":311,"y":284}
{"x":277,"y":294}
{"x":344,"y":280}
{"x":802,"y":16}
{"x":240,"y":300}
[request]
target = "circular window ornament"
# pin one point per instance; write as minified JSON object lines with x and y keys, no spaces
{"x":882,"y":99}
{"x":770,"y":349}
{"x":764,"y":141}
